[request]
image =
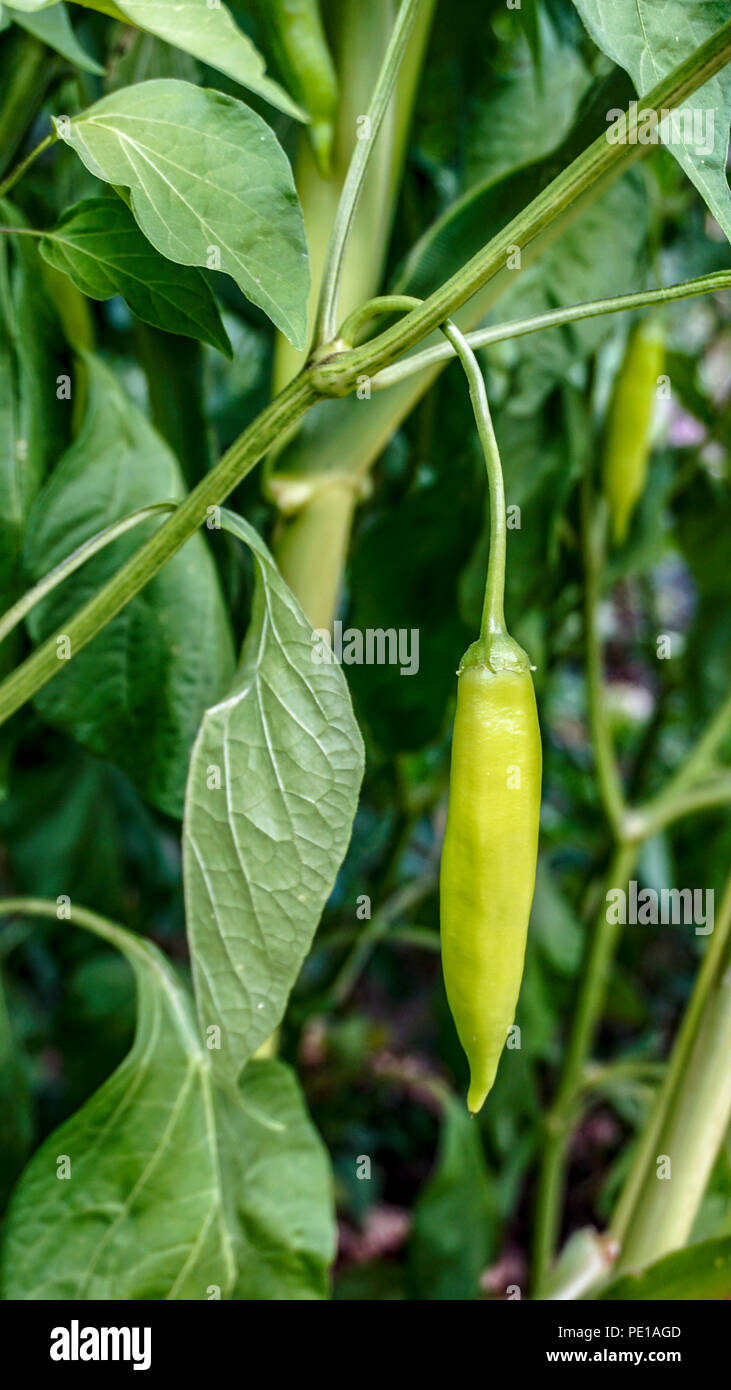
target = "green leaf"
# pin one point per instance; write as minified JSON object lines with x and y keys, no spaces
{"x":141,"y":1214}
{"x":279,"y":1187}
{"x":207,"y":31}
{"x":53,"y":27}
{"x":173,"y":1190}
{"x":700,"y":1271}
{"x":648,"y":39}
{"x":524,"y":109}
{"x":136,"y":694}
{"x":454,"y":1217}
{"x":98,"y":244}
{"x":210,"y":186}
{"x":272,"y":792}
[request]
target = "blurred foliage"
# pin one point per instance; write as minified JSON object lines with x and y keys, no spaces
{"x":381,"y":1067}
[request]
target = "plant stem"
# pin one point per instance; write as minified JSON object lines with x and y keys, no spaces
{"x":337,"y":375}
{"x":623,"y":1216}
{"x":560,"y":1117}
{"x":326,"y":317}
{"x":668,"y":808}
{"x":703,"y":753}
{"x":493,"y":616}
{"x":592,"y":535}
{"x":38,"y":668}
{"x":311,"y":551}
{"x":554,"y":318}
{"x":82,"y":917}
{"x":666,"y":1209}
{"x":74,"y":561}
{"x":401,"y":901}
{"x":20,"y":169}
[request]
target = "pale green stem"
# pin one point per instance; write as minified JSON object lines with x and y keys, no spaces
{"x":704,"y":751}
{"x":74,"y":561}
{"x":554,"y":318}
{"x":108,"y":931}
{"x":684,"y":1042}
{"x":401,"y":901}
{"x":20,"y":169}
{"x":667,"y":809}
{"x":610,"y":784}
{"x":560,"y":1119}
{"x":493,"y":616}
{"x":326,"y":317}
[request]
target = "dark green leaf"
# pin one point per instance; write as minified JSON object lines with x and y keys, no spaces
{"x":649,"y":40}
{"x":98,"y":244}
{"x":454,"y":1218}
{"x":136,"y":694}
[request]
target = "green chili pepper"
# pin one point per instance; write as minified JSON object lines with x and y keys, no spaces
{"x":491,"y":839}
{"x":489,"y":859}
{"x":302,"y":54}
{"x":629,"y":425}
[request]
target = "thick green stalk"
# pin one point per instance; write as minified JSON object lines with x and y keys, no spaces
{"x":311,"y":552}
{"x":667,"y":1207}
{"x":630,"y":1222}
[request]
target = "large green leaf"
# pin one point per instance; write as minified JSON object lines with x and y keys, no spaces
{"x":273,"y":786}
{"x":98,"y":244}
{"x":454,"y":1217}
{"x":136,"y":694}
{"x":209,"y":184}
{"x":204,"y":29}
{"x":141,"y":1214}
{"x":279,"y":1185}
{"x":53,"y":27}
{"x":175,"y":1190}
{"x":650,"y":37}
{"x":701,"y":1271}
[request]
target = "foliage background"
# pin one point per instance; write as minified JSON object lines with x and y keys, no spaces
{"x":448,"y":1209}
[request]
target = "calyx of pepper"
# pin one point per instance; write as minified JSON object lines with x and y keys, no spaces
{"x":496,"y":652}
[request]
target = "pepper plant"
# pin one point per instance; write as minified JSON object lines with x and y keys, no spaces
{"x":239,"y":248}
